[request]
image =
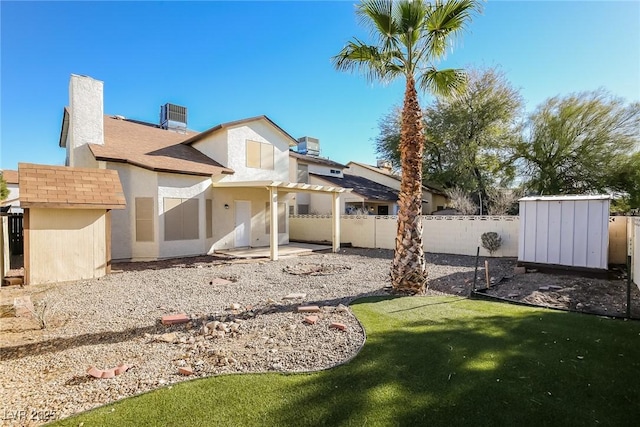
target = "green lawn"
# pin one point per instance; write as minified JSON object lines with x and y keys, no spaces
{"x":427,"y":361}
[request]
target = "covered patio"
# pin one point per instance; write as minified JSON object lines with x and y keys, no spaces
{"x":277,"y":189}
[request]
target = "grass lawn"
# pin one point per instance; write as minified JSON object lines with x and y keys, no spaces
{"x":427,"y":361}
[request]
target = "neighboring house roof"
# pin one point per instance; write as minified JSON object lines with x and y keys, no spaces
{"x":45,"y":186}
{"x":366,"y":188}
{"x":429,"y":186}
{"x":316,"y":160}
{"x":148,"y":146}
{"x":292,"y":141}
{"x":10,"y":176}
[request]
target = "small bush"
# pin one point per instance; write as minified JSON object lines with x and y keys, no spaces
{"x":491,"y":241}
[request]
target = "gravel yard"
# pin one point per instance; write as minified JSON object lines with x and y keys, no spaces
{"x":115,"y":319}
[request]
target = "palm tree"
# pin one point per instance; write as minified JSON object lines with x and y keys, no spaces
{"x":410,"y":37}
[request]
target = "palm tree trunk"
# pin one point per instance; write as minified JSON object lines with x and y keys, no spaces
{"x":408,"y":270}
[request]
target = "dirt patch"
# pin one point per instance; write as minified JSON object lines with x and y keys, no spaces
{"x":583,"y":293}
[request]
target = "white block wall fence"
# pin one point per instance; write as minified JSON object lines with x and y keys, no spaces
{"x":450,"y":234}
{"x":441,"y":234}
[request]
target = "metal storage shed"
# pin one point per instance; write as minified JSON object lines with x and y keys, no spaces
{"x":570,"y":231}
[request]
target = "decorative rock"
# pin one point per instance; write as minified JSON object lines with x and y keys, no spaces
{"x":94,"y":372}
{"x":175,"y":319}
{"x":234,"y":327}
{"x":543,"y":288}
{"x":519,"y":270}
{"x":342,"y":308}
{"x":109,"y":373}
{"x":235,"y":306}
{"x":295,"y":296}
{"x":219,"y":281}
{"x":169,"y":337}
{"x":212,"y":326}
{"x":308,"y":309}
{"x":513,"y":295}
{"x":185,"y":370}
{"x":340,"y":326}
{"x":311,"y":320}
{"x":121,"y":369}
{"x":555,"y":287}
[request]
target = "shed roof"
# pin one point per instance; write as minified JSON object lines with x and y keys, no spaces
{"x":45,"y":186}
{"x":565,"y":197}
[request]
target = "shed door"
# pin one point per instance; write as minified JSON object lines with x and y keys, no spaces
{"x":243,"y":223}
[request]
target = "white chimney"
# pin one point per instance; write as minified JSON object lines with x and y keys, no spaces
{"x":385,"y":165}
{"x":86,"y":119}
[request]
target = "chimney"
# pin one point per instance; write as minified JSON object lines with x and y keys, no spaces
{"x":173,"y":117}
{"x":86,"y":125}
{"x":309,"y":146}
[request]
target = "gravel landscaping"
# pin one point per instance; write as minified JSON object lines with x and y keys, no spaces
{"x":241,"y":321}
{"x":115,"y":320}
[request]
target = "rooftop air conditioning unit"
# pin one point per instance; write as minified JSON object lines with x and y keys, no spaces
{"x":173,"y":117}
{"x":309,"y":146}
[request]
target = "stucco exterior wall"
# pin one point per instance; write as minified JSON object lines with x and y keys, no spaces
{"x":635,"y":246}
{"x":65,"y":244}
{"x":258,"y":131}
{"x":86,"y":120}
{"x":373,"y":176}
{"x":224,"y":219}
{"x":320,"y":204}
{"x":215,"y":146}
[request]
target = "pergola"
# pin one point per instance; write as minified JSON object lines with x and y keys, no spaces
{"x":275,"y":188}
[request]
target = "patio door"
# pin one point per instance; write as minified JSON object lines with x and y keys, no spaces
{"x":243,"y":224}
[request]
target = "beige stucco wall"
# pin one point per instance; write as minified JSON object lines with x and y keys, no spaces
{"x":66,"y":244}
{"x":380,"y":178}
{"x":224,"y":218}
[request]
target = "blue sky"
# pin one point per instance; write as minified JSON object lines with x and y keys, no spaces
{"x":230,"y":60}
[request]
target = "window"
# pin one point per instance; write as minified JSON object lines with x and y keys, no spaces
{"x":282,"y":224}
{"x":144,"y":219}
{"x":292,"y":210}
{"x":335,"y":171}
{"x":303,"y":209}
{"x":181,"y":220}
{"x":303,"y":174}
{"x":259,"y":155}
{"x":209,"y":217}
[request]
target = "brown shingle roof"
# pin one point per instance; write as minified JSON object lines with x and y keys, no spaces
{"x":150,"y":147}
{"x":10,"y":177}
{"x":44,"y":186}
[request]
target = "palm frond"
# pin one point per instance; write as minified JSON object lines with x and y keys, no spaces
{"x":378,"y":17}
{"x":443,"y":83}
{"x":446,"y":20}
{"x":368,"y":60}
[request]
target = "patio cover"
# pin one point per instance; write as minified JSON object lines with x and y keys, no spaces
{"x":276,"y":187}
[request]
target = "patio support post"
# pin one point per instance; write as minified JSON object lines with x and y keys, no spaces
{"x":335,"y":216}
{"x":273,"y":223}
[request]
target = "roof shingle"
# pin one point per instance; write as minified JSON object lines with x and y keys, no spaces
{"x":10,"y":176}
{"x":150,"y":147}
{"x":69,"y":188}
{"x":368,"y":189}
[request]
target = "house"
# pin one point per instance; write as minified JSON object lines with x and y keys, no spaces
{"x":12,"y":202}
{"x":187,"y":193}
{"x":67,"y":222}
{"x":434,"y":198}
{"x":367,"y":197}
{"x":304,"y":165}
